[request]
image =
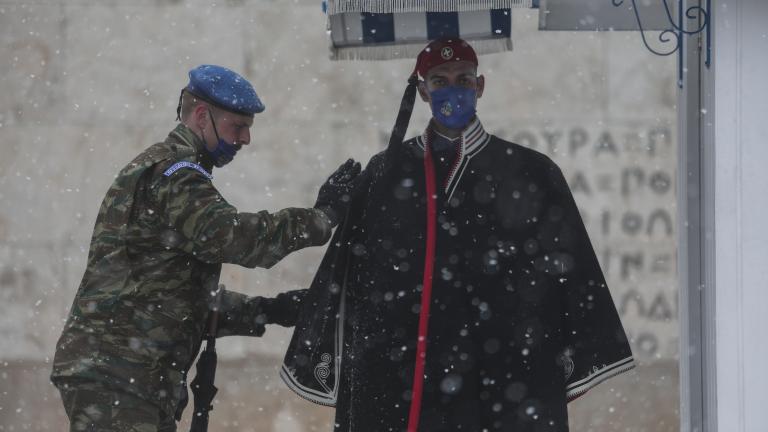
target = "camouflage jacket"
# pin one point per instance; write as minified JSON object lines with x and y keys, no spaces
{"x":161,"y":235}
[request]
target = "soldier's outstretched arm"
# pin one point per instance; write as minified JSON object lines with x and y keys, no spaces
{"x":202,"y":223}
{"x":246,"y":316}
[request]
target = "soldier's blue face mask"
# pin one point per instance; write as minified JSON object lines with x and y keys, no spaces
{"x":454,"y":106}
{"x":224,"y":151}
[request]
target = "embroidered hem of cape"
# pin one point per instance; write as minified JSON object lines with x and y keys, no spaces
{"x":579,"y":388}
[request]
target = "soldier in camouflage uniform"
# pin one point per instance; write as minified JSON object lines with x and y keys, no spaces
{"x":161,"y":236}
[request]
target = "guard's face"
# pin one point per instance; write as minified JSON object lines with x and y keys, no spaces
{"x":460,"y":74}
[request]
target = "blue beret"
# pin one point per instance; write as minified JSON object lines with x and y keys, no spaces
{"x":225,"y":89}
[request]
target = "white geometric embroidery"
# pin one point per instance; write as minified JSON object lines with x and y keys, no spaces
{"x":597,"y":375}
{"x":323,"y":371}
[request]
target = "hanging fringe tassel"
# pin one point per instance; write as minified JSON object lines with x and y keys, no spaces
{"x":411,"y":50}
{"x":396,"y":6}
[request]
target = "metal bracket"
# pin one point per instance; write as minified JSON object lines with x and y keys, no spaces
{"x":675,"y":33}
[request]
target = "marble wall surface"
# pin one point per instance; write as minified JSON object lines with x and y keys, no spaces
{"x":87,"y":85}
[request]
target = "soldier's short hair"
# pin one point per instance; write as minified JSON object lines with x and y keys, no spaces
{"x":190,"y":101}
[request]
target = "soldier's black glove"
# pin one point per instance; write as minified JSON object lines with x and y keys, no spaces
{"x":336,"y":193}
{"x":284,"y":309}
{"x":241,"y":315}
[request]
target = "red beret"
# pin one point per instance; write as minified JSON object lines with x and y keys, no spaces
{"x":444,"y":50}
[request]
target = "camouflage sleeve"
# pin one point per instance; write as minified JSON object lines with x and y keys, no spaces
{"x":246,"y":316}
{"x":202,"y":223}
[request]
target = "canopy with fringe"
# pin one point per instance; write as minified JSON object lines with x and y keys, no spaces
{"x":394,"y":29}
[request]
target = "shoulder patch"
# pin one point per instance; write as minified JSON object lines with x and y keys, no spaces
{"x":184,"y":164}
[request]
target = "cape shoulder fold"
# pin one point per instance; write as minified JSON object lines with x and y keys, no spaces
{"x":595,"y":347}
{"x":312,"y":363}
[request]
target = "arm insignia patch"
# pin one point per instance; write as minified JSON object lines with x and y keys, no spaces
{"x":184,"y":164}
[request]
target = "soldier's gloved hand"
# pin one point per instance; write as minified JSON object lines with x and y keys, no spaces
{"x":284,"y":309}
{"x":241,"y":315}
{"x":336,"y":193}
{"x":229,"y":303}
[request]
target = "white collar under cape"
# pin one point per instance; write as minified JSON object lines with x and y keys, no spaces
{"x":474,"y":138}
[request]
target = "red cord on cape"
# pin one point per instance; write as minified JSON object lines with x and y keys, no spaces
{"x":426,"y":294}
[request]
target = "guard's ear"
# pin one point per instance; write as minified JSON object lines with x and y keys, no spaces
{"x":480,"y":86}
{"x":422,"y":87}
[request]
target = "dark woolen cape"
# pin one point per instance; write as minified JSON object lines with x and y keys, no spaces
{"x":520,"y":320}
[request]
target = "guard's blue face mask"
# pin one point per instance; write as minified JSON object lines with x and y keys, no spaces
{"x":224,"y":151}
{"x":454,"y":106}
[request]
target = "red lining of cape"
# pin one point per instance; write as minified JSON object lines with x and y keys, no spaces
{"x":426,"y":294}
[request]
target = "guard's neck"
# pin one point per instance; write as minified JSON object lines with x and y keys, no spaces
{"x":446,"y":131}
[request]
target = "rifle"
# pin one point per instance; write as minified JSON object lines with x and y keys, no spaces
{"x":202,"y":386}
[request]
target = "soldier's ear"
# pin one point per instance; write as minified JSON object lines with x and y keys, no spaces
{"x":200,"y":116}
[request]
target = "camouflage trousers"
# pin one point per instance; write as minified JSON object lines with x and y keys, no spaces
{"x":93,"y":408}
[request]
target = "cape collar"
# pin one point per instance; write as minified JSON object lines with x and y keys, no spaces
{"x":474,"y":138}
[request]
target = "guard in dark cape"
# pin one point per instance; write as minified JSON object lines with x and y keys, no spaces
{"x":461,"y":293}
